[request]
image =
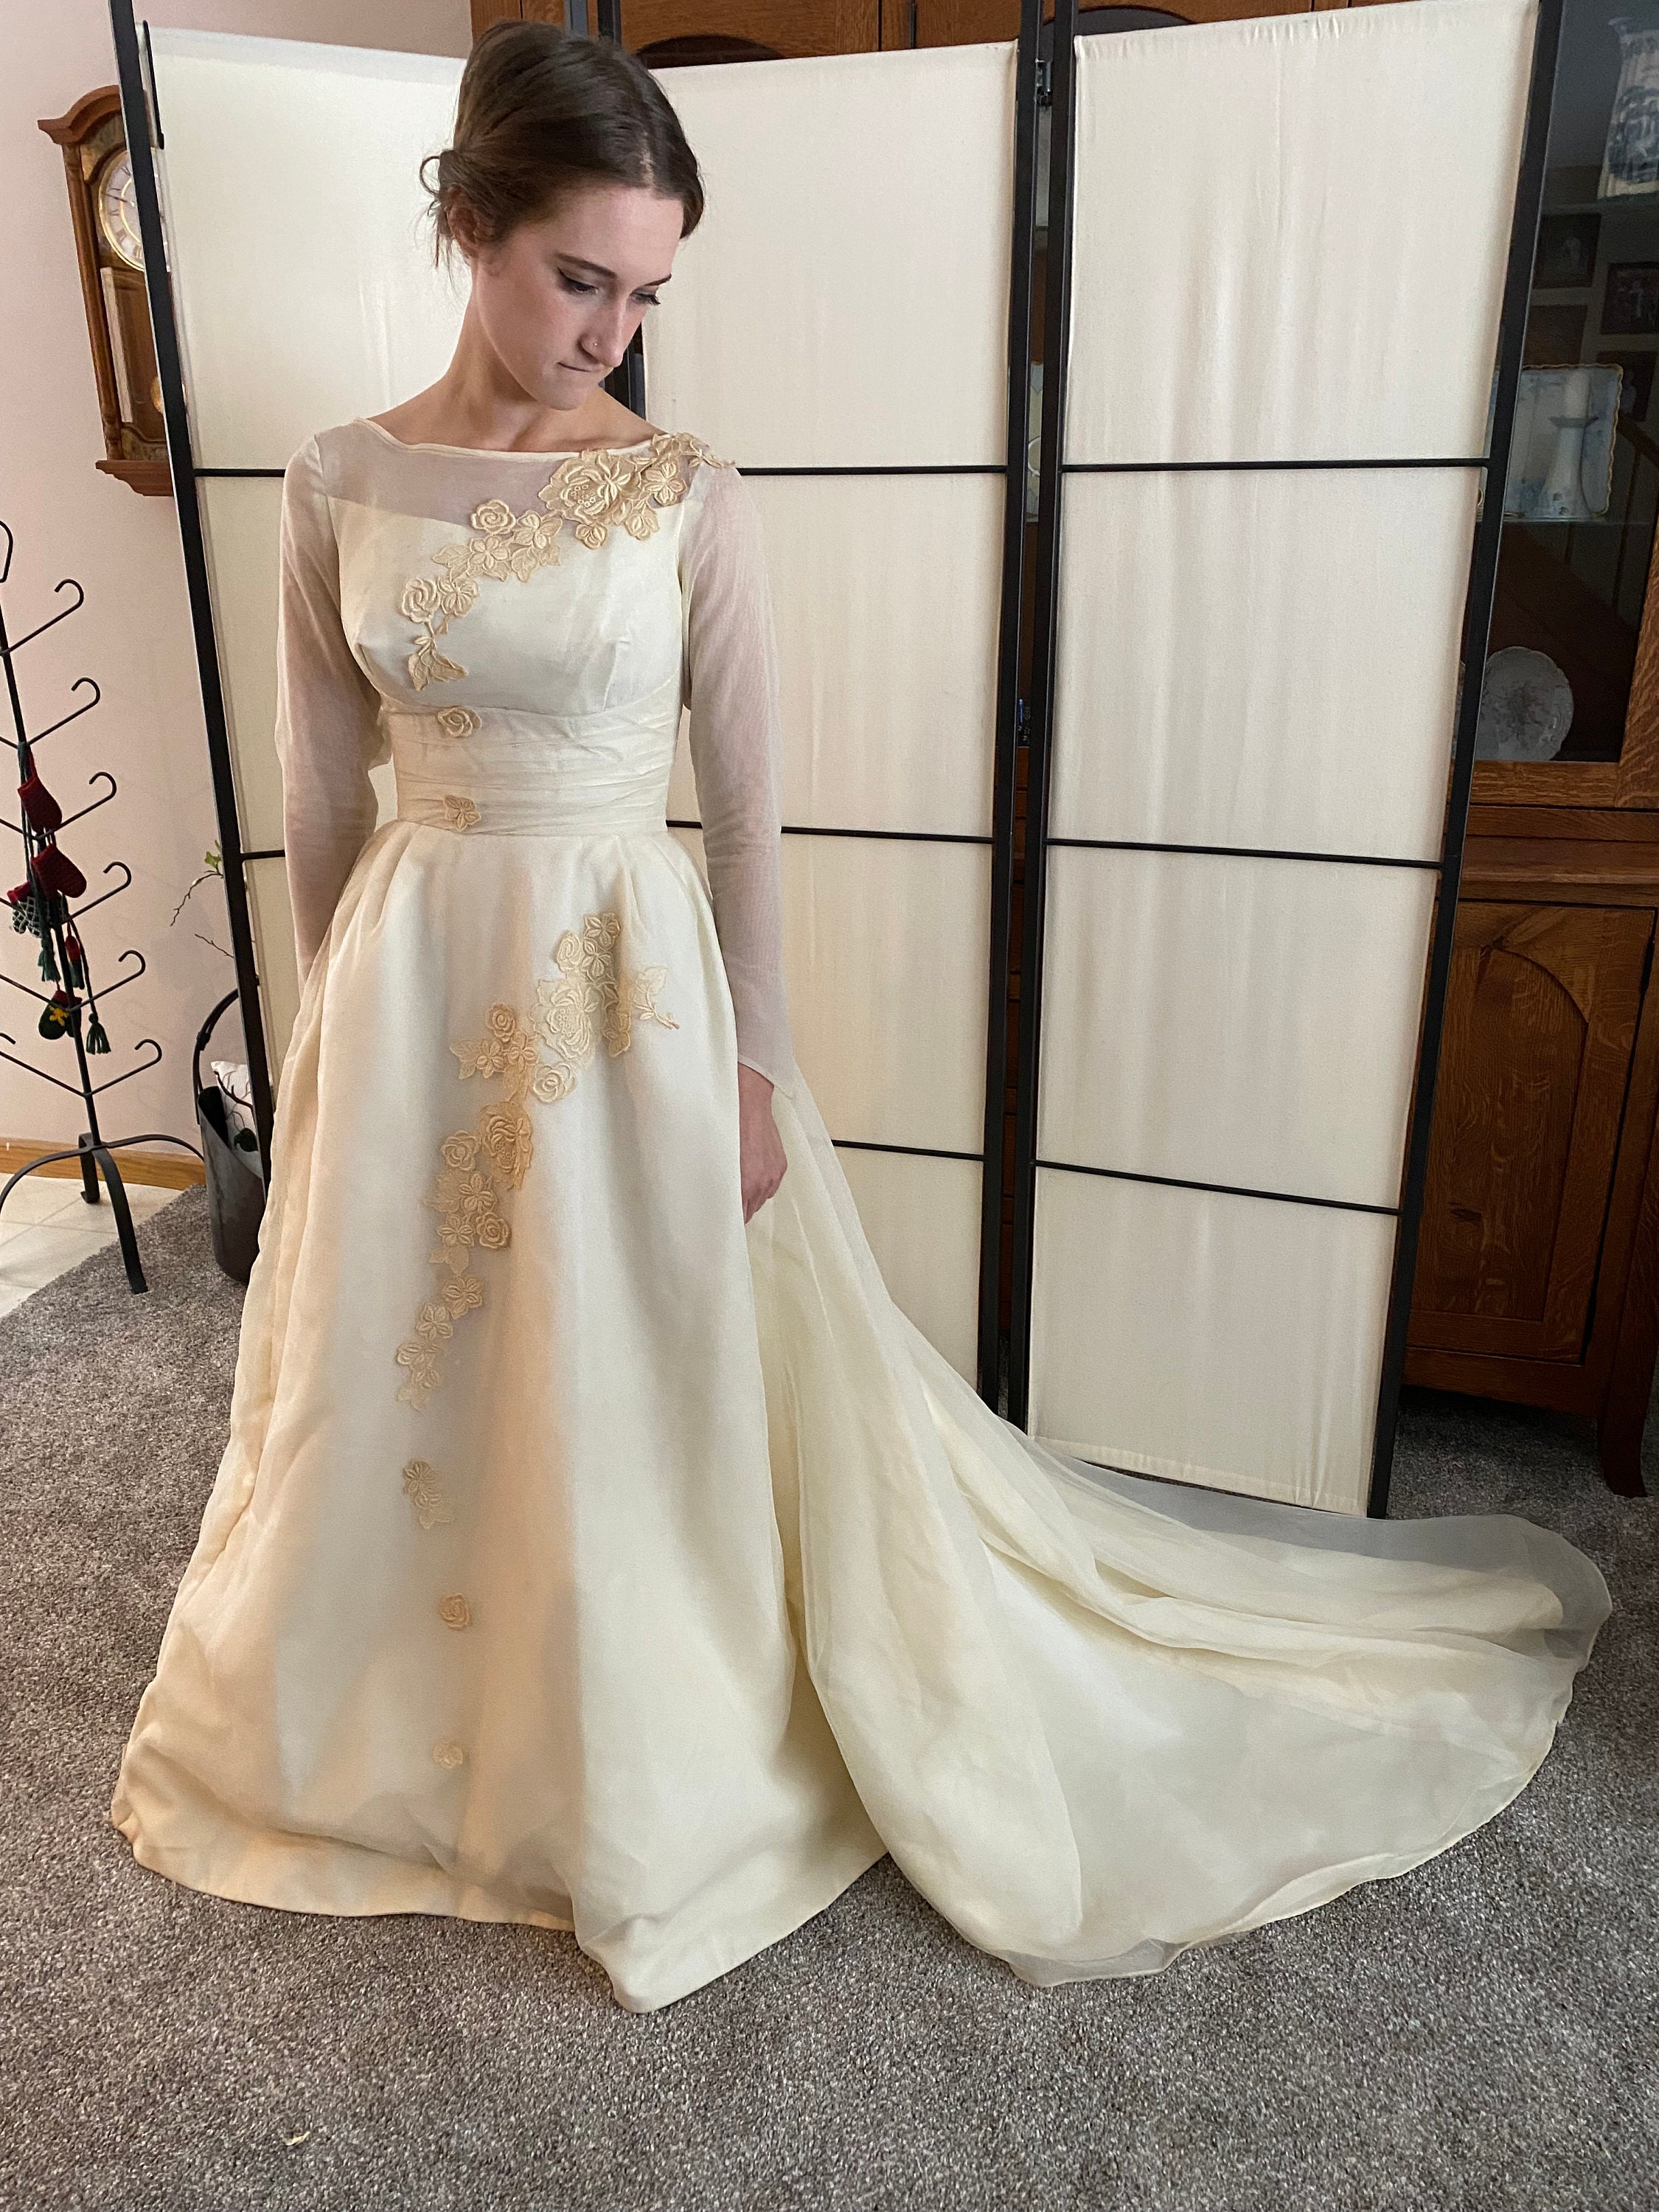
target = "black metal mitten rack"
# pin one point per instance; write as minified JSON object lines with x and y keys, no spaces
{"x":47,"y":907}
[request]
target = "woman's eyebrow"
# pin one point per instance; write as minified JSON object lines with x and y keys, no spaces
{"x":600,"y":269}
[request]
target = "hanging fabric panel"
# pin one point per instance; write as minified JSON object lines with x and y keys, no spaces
{"x":1261,"y":659}
{"x":848,"y":346}
{"x":299,"y":306}
{"x":293,"y":314}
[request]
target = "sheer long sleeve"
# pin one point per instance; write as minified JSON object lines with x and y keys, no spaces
{"x":731,"y":667}
{"x":328,"y":733}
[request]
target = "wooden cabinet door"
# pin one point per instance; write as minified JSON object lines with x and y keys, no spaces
{"x":728,"y":30}
{"x":715,"y":30}
{"x":1540,"y":1025}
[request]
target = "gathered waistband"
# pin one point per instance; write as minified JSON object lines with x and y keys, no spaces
{"x":518,"y":811}
{"x":533,"y":776}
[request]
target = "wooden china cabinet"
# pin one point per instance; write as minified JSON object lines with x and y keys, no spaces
{"x":1538,"y":1271}
{"x":1538,"y":1268}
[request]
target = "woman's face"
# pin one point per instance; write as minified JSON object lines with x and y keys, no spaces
{"x":560,"y":296}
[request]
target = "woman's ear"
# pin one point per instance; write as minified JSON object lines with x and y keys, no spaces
{"x":463,"y":228}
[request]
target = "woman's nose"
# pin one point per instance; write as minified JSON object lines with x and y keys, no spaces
{"x":606,"y":337}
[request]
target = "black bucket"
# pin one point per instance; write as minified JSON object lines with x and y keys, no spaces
{"x":235,"y":1178}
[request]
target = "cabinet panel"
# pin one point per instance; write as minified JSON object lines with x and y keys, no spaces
{"x":1540,"y":1024}
{"x":781,"y":28}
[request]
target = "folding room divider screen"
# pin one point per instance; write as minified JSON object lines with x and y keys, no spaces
{"x":1264,"y":403}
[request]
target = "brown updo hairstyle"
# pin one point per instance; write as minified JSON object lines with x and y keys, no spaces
{"x":543,"y":112}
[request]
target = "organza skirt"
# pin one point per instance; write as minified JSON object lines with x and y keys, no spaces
{"x":585,"y":1557}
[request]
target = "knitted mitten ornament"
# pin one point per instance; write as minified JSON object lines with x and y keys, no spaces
{"x":55,"y":871}
{"x":39,"y":808}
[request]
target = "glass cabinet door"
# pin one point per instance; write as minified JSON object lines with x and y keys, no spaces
{"x":1583,"y":496}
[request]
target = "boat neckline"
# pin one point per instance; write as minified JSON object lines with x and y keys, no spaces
{"x":500,"y":452}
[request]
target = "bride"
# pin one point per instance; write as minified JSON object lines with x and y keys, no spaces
{"x":596,"y":1545}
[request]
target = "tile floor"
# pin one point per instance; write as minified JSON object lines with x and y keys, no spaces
{"x":46,"y":1226}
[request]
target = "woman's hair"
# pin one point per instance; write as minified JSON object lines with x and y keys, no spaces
{"x":543,"y":112}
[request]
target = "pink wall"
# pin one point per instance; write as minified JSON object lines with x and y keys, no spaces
{"x":133,"y":635}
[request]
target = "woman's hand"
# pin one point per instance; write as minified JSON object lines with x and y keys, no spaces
{"x":761,"y":1147}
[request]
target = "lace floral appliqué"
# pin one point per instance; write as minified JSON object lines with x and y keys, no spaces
{"x":590,"y":998}
{"x":425,"y":1493}
{"x":595,"y":493}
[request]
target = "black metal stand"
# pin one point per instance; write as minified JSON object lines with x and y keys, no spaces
{"x":41,"y":907}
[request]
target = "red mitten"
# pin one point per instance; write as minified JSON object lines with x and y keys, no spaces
{"x":55,"y":871}
{"x":39,"y":808}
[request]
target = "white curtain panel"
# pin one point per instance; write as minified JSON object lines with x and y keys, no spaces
{"x":1289,"y":245}
{"x":844,"y":306}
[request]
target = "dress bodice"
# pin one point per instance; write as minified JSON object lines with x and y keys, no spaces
{"x":556,"y":592}
{"x":530,"y":665}
{"x":520,"y":634}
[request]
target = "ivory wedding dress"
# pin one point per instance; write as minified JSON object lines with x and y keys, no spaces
{"x":582,"y":1555}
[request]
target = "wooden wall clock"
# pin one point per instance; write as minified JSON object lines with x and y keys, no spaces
{"x":111,"y":259}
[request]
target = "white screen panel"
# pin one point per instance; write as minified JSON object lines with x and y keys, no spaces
{"x":302,"y":274}
{"x":921,"y":1215}
{"x":1214,"y":1339}
{"x":885,"y":948}
{"x":832,"y":307}
{"x":1265,"y":658}
{"x":1290,"y":233}
{"x":864,"y":328}
{"x":921,"y":1218}
{"x":887,"y":655}
{"x":240,"y":519}
{"x":888,"y":597}
{"x":888,"y":1067}
{"x":1235,"y":1021}
{"x":1262,"y":658}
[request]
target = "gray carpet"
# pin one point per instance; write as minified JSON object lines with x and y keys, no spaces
{"x":1480,"y":2032}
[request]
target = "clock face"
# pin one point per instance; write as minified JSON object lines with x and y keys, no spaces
{"x":117,"y":208}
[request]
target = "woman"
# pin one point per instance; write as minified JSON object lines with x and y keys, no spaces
{"x":596,"y":1545}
